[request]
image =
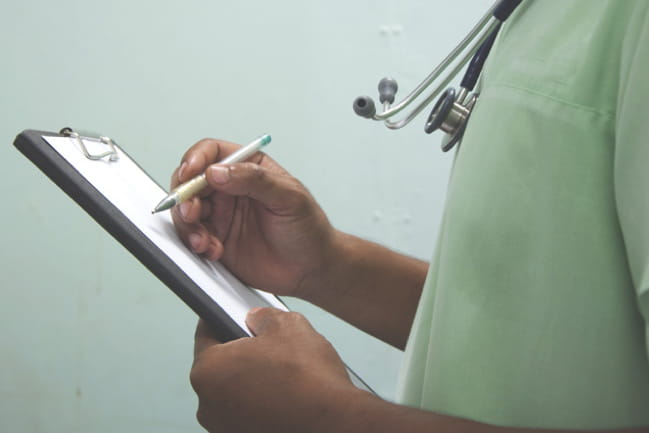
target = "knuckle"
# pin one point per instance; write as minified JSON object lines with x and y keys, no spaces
{"x":197,"y":377}
{"x":250,"y":174}
{"x":254,"y":170}
{"x":202,"y":148}
{"x":207,"y":142}
{"x":298,"y":195}
{"x":202,"y":416}
{"x":295,"y":318}
{"x":194,"y":149}
{"x":269,"y":323}
{"x":327,"y":345}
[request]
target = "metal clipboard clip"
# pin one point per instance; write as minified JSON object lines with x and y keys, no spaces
{"x":111,"y":153}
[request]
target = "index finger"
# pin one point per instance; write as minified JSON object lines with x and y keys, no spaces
{"x":198,"y":157}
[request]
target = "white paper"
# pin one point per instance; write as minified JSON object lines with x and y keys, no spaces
{"x":133,"y":192}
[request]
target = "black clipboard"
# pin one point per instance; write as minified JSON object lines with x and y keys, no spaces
{"x":36,"y":148}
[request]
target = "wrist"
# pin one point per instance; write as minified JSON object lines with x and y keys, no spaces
{"x":349,"y":410}
{"x":358,"y":411}
{"x":330,"y":274}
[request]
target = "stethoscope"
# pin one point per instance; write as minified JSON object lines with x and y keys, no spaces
{"x":453,"y":108}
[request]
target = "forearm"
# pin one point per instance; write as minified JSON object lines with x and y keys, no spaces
{"x":371,"y":287}
{"x":361,"y":412}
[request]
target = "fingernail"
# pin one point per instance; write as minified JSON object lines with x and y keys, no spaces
{"x":192,"y":160}
{"x":195,"y":240}
{"x":184,"y":208}
{"x":219,"y":173}
{"x":254,"y":310}
{"x":181,"y":171}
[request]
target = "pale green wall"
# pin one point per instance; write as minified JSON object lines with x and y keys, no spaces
{"x":89,"y":340}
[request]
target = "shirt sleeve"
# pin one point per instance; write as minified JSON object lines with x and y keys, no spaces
{"x":632,"y":155}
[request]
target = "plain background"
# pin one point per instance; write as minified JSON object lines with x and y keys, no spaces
{"x":90,"y":341}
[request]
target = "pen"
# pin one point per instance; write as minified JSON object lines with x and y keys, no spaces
{"x":194,"y":186}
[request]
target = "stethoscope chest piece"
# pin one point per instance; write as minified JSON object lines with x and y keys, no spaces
{"x":450,"y":114}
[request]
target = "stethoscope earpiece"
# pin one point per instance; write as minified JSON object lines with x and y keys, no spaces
{"x":387,"y":90}
{"x":364,"y":106}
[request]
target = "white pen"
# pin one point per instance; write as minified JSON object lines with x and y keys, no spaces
{"x":194,"y":186}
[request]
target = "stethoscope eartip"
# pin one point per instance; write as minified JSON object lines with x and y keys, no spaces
{"x":387,"y":90}
{"x":364,"y":106}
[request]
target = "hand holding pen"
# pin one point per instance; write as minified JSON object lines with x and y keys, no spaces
{"x":254,"y":217}
{"x":197,"y":184}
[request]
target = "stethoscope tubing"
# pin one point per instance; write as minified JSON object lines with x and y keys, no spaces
{"x":390,"y":111}
{"x":437,"y":90}
{"x":478,"y":40}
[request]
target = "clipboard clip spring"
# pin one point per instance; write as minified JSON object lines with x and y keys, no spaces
{"x":111,"y":154}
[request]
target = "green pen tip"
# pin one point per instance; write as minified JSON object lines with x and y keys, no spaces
{"x":166,"y":203}
{"x":265,"y":139}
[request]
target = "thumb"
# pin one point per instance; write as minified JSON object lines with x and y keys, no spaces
{"x":274,"y":190}
{"x":264,"y":320}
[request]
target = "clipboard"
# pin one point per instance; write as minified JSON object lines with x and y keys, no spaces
{"x":118,"y":194}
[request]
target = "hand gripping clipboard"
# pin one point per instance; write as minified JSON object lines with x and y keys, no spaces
{"x":114,"y":190}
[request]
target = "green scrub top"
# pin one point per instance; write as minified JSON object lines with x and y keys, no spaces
{"x":535,"y":310}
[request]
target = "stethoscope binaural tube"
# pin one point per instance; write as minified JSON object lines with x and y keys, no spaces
{"x":364,"y":106}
